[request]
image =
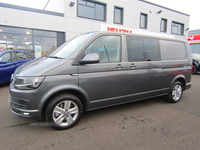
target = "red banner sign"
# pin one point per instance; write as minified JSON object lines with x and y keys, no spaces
{"x":114,"y":29}
{"x":194,"y":39}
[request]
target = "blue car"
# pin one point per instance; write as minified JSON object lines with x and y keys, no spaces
{"x":9,"y":61}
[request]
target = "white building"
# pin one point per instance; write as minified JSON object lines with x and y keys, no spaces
{"x":44,"y":30}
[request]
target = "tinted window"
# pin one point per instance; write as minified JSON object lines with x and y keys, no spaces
{"x":107,"y":47}
{"x":171,"y":50}
{"x":136,"y":50}
{"x":163,"y":27}
{"x":44,"y":33}
{"x":143,"y":49}
{"x":177,"y":28}
{"x":99,"y":12}
{"x":152,"y":50}
{"x":118,"y":15}
{"x":91,"y":10}
{"x":143,"y":21}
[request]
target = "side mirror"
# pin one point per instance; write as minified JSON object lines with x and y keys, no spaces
{"x":3,"y":62}
{"x":90,"y":59}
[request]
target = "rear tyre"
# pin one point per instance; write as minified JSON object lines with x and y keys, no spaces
{"x":175,"y":93}
{"x":194,"y":70}
{"x":64,"y":111}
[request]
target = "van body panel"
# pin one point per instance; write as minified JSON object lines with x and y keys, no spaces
{"x":108,"y":82}
{"x":36,"y":99}
{"x":143,"y":77}
{"x":39,"y":66}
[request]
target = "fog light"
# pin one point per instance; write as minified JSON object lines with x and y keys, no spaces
{"x":26,"y":114}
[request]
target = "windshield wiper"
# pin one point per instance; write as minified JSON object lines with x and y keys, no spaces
{"x":54,"y":57}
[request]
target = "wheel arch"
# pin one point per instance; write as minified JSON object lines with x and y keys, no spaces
{"x":180,"y":78}
{"x":195,"y":63}
{"x":74,"y":92}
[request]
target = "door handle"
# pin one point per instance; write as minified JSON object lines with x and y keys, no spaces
{"x":119,"y":66}
{"x":132,"y":65}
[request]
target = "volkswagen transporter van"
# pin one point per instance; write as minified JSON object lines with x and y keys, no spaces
{"x":100,"y":69}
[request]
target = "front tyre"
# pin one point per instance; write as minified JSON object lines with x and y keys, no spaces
{"x":175,"y":93}
{"x":64,"y":111}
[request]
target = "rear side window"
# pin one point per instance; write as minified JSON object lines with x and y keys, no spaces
{"x":143,"y":49}
{"x":22,"y":56}
{"x":172,"y":50}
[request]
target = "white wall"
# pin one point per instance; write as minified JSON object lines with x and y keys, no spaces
{"x":27,"y":19}
{"x":132,"y":10}
{"x":55,"y":5}
{"x":73,"y":25}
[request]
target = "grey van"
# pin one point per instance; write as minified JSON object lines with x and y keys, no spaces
{"x":100,"y":69}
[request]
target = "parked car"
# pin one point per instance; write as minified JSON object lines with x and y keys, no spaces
{"x":100,"y":69}
{"x":9,"y":61}
{"x":195,"y":62}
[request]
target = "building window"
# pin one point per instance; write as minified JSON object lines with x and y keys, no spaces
{"x":143,"y":21}
{"x":91,"y":10}
{"x":177,"y":28}
{"x":37,"y":42}
{"x":163,"y":26}
{"x":118,"y":15}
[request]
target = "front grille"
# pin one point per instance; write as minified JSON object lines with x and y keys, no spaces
{"x":19,"y":103}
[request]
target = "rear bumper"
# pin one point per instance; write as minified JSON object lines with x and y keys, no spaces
{"x":188,"y":85}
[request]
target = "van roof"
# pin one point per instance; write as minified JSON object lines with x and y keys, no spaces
{"x":138,"y":35}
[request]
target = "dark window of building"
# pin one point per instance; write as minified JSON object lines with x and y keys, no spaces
{"x":118,"y":15}
{"x":171,"y":50}
{"x":177,"y":28}
{"x":140,"y":49}
{"x":143,"y":21}
{"x":163,"y":26}
{"x":107,"y":47}
{"x":91,"y":10}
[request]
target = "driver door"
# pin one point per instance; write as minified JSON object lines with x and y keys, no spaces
{"x":104,"y":83}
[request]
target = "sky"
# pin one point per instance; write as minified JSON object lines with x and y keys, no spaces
{"x":190,"y":7}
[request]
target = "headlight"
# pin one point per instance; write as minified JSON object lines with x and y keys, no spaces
{"x":27,"y":83}
{"x":12,"y":77}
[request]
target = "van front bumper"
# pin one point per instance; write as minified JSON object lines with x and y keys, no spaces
{"x":19,"y":108}
{"x":25,"y":103}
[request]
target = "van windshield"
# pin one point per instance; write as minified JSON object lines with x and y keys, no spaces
{"x":65,"y":50}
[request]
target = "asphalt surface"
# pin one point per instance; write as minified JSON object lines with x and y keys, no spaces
{"x":152,"y":124}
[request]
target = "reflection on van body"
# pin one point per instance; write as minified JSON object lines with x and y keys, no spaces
{"x":100,"y":69}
